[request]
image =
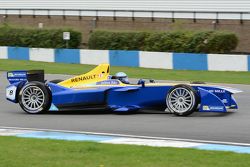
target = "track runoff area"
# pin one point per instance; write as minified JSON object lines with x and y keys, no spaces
{"x":124,"y":139}
{"x":211,"y":132}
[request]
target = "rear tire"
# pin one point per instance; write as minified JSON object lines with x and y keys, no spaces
{"x":182,"y":100}
{"x":35,"y":98}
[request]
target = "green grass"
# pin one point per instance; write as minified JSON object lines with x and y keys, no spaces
{"x":178,"y":75}
{"x":23,"y":152}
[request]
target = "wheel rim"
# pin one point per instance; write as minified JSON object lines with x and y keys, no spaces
{"x":33,"y":98}
{"x":180,"y":100}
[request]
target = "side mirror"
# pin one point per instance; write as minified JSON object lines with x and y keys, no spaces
{"x":141,"y":82}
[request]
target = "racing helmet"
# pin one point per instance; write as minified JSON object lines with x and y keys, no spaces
{"x":122,"y":77}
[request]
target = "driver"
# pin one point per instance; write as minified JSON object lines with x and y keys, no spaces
{"x":122,"y":77}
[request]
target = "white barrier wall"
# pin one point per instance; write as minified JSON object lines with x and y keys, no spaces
{"x":39,"y":54}
{"x":94,"y":56}
{"x":156,"y":60}
{"x":220,"y":62}
{"x":3,"y":52}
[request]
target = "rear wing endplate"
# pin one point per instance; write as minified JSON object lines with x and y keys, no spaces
{"x":22,"y":75}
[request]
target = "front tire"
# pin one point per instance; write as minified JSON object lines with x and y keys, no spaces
{"x":182,"y":100}
{"x":35,"y":98}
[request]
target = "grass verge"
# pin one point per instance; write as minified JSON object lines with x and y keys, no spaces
{"x":24,"y":152}
{"x":133,"y":72}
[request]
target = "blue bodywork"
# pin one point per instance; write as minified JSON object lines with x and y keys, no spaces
{"x":123,"y":99}
{"x":109,"y":95}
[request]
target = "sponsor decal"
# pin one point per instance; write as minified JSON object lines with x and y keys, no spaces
{"x":88,"y":77}
{"x":17,"y":79}
{"x":17,"y":74}
{"x":217,"y":108}
{"x":11,"y":92}
{"x":108,"y":82}
{"x":217,"y":91}
{"x":83,"y":78}
{"x":100,"y":75}
{"x":224,"y":101}
{"x":10,"y":74}
{"x":205,"y":108}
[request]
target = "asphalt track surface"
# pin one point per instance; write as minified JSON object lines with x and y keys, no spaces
{"x":226,"y":127}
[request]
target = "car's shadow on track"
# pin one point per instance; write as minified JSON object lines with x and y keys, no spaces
{"x":195,"y":114}
{"x":143,"y":112}
{"x":79,"y":112}
{"x":211,"y":114}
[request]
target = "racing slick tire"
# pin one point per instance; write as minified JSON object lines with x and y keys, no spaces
{"x":182,"y":100}
{"x":35,"y":98}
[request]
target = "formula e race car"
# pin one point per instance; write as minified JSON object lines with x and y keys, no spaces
{"x":98,"y":90}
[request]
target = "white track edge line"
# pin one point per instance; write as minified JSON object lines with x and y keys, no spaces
{"x":130,"y":136}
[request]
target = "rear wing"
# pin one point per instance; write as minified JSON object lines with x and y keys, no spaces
{"x":22,"y":75}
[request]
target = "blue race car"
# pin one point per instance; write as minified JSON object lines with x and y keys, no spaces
{"x":98,"y":90}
